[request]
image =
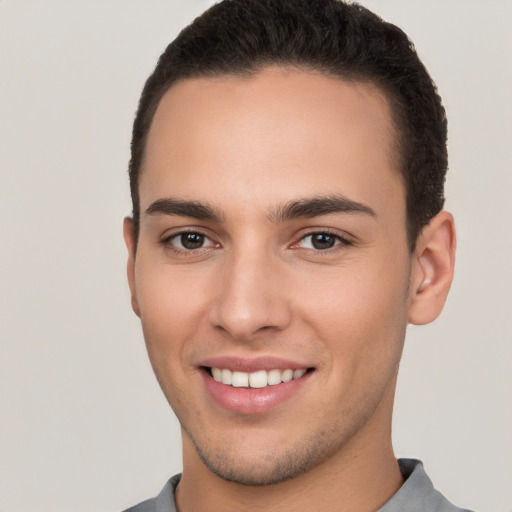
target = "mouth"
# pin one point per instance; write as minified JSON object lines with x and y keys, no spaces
{"x":259,"y":379}
{"x":243,"y":388}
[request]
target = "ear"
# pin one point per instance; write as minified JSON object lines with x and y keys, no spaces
{"x":432,"y":269}
{"x":129,"y":240}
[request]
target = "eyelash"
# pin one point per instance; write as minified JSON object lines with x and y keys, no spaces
{"x":167,"y":244}
{"x":340,"y":242}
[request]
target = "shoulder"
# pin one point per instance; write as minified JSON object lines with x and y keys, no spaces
{"x":418,"y":494}
{"x":164,"y":502}
{"x":145,"y":506}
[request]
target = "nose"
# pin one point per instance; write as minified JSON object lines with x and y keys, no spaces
{"x":252,"y":297}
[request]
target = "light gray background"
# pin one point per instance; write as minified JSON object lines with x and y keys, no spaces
{"x":83,"y":424}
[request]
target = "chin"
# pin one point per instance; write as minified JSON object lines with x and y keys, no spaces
{"x":268,"y":465}
{"x":256,"y":473}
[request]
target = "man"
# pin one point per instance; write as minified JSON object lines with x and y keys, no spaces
{"x":287,"y":171}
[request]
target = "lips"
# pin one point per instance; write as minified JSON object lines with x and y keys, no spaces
{"x":253,"y":386}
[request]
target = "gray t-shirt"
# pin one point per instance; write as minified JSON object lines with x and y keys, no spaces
{"x":417,"y":494}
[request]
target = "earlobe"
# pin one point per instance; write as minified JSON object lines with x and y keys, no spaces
{"x":129,"y":239}
{"x":432,"y":269}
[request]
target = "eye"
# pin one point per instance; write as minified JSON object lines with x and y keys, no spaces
{"x":321,"y":241}
{"x":189,"y":241}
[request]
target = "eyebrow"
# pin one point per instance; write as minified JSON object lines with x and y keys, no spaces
{"x":316,"y":206}
{"x":192,"y":209}
{"x":306,"y":207}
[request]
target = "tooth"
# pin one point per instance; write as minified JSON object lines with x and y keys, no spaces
{"x":274,"y":377}
{"x":240,"y":380}
{"x":297,"y":374}
{"x":227,"y":377}
{"x":258,"y":379}
{"x":287,"y":375}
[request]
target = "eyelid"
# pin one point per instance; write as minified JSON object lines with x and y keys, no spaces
{"x":165,"y":240}
{"x":342,"y":240}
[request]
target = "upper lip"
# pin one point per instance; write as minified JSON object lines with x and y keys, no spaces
{"x":253,"y":364}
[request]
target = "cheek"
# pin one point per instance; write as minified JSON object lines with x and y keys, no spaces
{"x":360,"y":312}
{"x":172,"y":304}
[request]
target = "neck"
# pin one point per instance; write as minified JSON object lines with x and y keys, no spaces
{"x":361,"y":477}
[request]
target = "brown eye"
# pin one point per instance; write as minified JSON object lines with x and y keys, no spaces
{"x":320,"y":241}
{"x":323,"y":241}
{"x":192,"y":240}
{"x":188,"y":241}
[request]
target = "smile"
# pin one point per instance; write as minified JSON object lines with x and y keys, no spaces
{"x":259,"y":379}
{"x":253,"y":386}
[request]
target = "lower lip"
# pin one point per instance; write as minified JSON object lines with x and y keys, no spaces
{"x":251,"y":401}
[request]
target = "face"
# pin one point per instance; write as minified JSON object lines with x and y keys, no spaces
{"x":272,"y":270}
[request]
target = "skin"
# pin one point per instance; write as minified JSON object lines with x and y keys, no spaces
{"x":257,"y":286}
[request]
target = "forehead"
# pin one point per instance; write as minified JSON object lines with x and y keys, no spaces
{"x":277,"y":133}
